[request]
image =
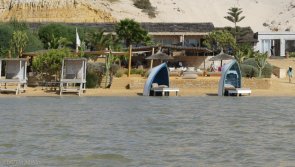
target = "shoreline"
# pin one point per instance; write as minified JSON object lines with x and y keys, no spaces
{"x":277,"y":88}
{"x":99,"y":92}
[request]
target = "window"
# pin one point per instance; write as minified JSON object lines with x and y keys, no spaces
{"x":191,"y":42}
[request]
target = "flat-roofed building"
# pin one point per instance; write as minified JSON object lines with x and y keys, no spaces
{"x":275,"y":43}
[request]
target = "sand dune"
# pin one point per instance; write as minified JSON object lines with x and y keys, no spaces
{"x":261,"y":15}
{"x":276,"y":13}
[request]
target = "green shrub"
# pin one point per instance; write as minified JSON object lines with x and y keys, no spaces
{"x":114,"y":68}
{"x":146,"y":7}
{"x":141,"y":72}
{"x":91,"y":80}
{"x":249,"y":71}
{"x":119,"y":74}
{"x":94,"y":74}
{"x":50,"y":63}
{"x":266,"y":71}
{"x":6,"y":32}
{"x":34,"y":43}
{"x":51,"y":32}
{"x":291,"y":54}
{"x":96,"y":67}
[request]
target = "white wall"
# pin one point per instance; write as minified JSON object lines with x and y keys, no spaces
{"x":264,"y":41}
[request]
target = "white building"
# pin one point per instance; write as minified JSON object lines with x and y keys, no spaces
{"x":279,"y":42}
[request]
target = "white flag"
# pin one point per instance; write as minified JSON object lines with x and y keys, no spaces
{"x":78,"y":41}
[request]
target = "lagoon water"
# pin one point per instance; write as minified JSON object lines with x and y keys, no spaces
{"x":144,"y":131}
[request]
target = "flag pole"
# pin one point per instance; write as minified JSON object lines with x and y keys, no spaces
{"x":78,"y":42}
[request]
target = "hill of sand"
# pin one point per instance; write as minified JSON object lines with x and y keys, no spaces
{"x":261,"y":15}
{"x":53,"y":11}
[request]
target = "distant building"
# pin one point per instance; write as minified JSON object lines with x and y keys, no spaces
{"x":275,"y":43}
{"x":181,"y":40}
{"x":179,"y":34}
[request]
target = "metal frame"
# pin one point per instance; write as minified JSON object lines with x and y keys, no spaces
{"x":69,"y":85}
{"x":21,"y":83}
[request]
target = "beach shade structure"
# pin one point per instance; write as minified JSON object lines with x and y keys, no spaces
{"x":14,"y":77}
{"x":231,"y":80}
{"x":159,"y":75}
{"x":221,"y":56}
{"x":73,"y":75}
{"x":159,"y":56}
{"x":158,"y":83}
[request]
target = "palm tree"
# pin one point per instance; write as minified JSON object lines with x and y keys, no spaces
{"x":98,"y":40}
{"x":131,"y":32}
{"x":234,"y":17}
{"x":18,"y":42}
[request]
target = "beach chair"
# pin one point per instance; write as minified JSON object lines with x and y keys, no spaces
{"x":14,"y":78}
{"x":73,"y":75}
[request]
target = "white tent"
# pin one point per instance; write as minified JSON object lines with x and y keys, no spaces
{"x":73,"y":75}
{"x":15,"y":75}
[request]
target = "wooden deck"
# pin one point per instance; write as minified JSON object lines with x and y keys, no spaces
{"x":12,"y":85}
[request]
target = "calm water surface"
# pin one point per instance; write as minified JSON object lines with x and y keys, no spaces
{"x":142,"y":131}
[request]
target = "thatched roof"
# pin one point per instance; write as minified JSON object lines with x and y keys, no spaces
{"x":150,"y":27}
{"x":195,"y":49}
{"x":178,"y":27}
{"x":221,"y":56}
{"x":159,"y":55}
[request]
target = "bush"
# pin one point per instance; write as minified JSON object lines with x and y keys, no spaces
{"x":120,"y":73}
{"x":53,"y":31}
{"x":34,"y":43}
{"x":249,"y":71}
{"x":146,"y":7}
{"x":114,"y":69}
{"x":50,"y":63}
{"x":266,"y":71}
{"x":291,"y":54}
{"x":6,"y":33}
{"x":94,"y":74}
{"x":96,"y":67}
{"x":141,"y":72}
{"x":91,"y":80}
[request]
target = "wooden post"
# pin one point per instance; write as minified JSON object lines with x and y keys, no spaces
{"x":130,"y":57}
{"x":205,"y":71}
{"x":0,"y":68}
{"x":152,"y":61}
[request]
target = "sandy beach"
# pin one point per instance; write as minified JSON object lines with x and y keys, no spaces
{"x":201,"y":86}
{"x":278,"y":87}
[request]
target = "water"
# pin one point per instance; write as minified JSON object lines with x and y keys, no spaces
{"x":144,"y":131}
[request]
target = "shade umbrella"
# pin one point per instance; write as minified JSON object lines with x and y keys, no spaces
{"x":221,"y":56}
{"x":159,"y":56}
